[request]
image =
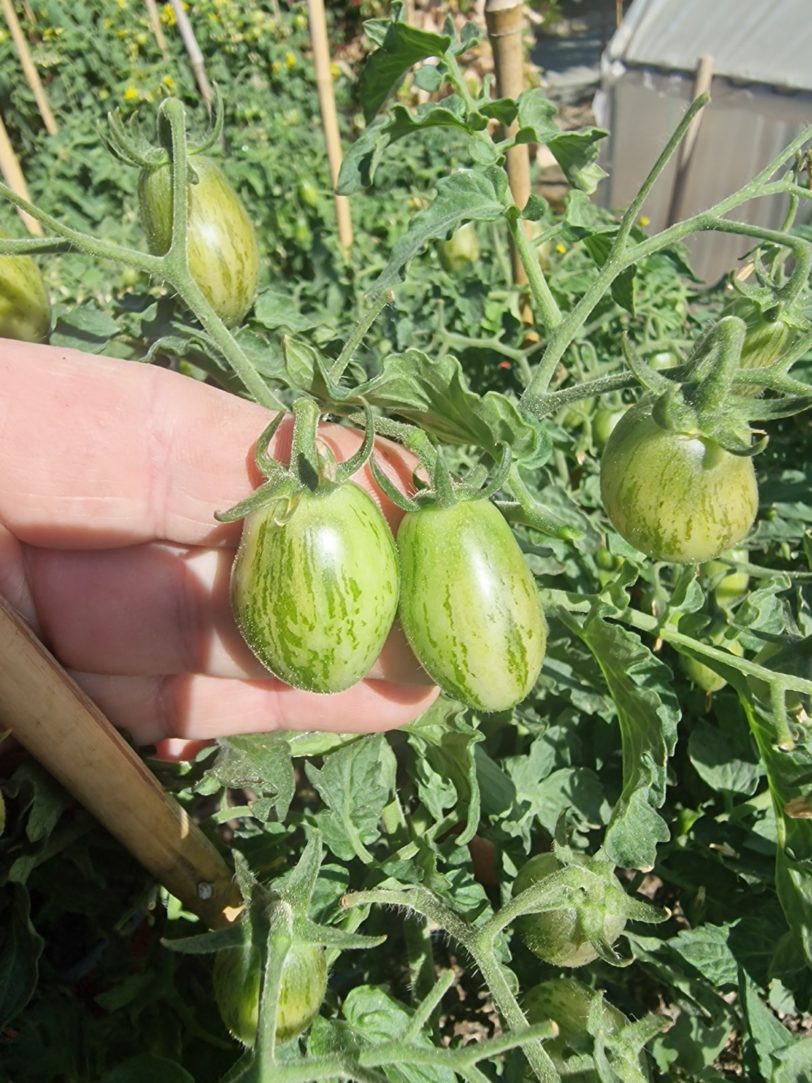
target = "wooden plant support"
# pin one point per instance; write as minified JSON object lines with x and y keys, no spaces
{"x":14,"y":178}
{"x":329,"y":117}
{"x":505,"y":22}
{"x":703,"y":77}
{"x":196,"y":61}
{"x":156,"y":28}
{"x":29,"y":68}
{"x":60,"y":726}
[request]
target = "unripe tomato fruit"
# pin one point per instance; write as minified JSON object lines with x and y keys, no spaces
{"x":315,"y":593}
{"x":222,"y":244}
{"x":701,"y":674}
{"x":469,"y":604}
{"x":25,"y":311}
{"x":558,"y":936}
{"x":673,"y":496}
{"x":568,"y":1003}
{"x":238,"y":983}
{"x":460,"y":248}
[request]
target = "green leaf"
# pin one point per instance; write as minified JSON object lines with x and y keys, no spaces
{"x":445,"y":767}
{"x":148,"y":1066}
{"x":467,"y":195}
{"x":792,"y":1063}
{"x":402,"y":47}
{"x":575,"y":151}
{"x":20,"y":949}
{"x":260,"y":762}
{"x":356,"y":783}
{"x":648,"y":712}
{"x":765,"y":1034}
{"x":721,"y":762}
{"x":436,"y":396}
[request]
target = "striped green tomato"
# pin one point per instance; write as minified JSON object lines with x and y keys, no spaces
{"x":222,"y":244}
{"x":675,"y":496}
{"x":25,"y":312}
{"x":315,"y":591}
{"x":469,"y":604}
{"x":237,"y":987}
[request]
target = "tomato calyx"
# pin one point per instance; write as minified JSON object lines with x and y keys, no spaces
{"x":133,"y":148}
{"x":312,"y":468}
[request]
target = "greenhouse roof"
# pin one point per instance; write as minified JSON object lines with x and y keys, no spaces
{"x":762,"y":41}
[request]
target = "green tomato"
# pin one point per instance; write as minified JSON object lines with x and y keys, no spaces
{"x":768,"y":335}
{"x":460,"y":248}
{"x":559,"y":936}
{"x":469,"y":604}
{"x":222,"y":244}
{"x":604,"y":421}
{"x":307,"y":192}
{"x":732,"y":585}
{"x":238,"y":983}
{"x":315,"y":590}
{"x":673,"y":496}
{"x":701,"y":674}
{"x":25,"y":311}
{"x":569,"y":1004}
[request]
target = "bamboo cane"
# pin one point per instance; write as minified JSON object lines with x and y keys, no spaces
{"x":703,"y":77}
{"x":28,"y":66}
{"x":14,"y":178}
{"x":156,"y":28}
{"x":60,"y":726}
{"x":505,"y":22}
{"x":196,"y":61}
{"x":329,"y":116}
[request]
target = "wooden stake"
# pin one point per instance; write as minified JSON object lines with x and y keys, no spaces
{"x":60,"y":726}
{"x":505,"y":22}
{"x":329,"y":116}
{"x":703,"y":78}
{"x":14,"y":178}
{"x":156,"y":28}
{"x":196,"y":61}
{"x":29,"y":69}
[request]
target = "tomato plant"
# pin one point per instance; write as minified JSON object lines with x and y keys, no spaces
{"x":222,"y":245}
{"x":675,"y":496}
{"x":695,"y":803}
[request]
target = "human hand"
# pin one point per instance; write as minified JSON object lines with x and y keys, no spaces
{"x":110,"y":474}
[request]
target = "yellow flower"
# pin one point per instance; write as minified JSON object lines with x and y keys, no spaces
{"x":131,"y":94}
{"x":644,"y":220}
{"x":167,"y":15}
{"x":276,"y":67}
{"x":122,"y":4}
{"x":335,"y":70}
{"x":168,"y":82}
{"x":290,"y":59}
{"x":561,"y":248}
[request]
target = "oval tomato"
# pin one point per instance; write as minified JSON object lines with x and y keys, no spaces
{"x":25,"y":311}
{"x":314,"y":593}
{"x":559,"y":936}
{"x":238,"y":982}
{"x":675,"y":496}
{"x":222,"y":244}
{"x":731,"y":583}
{"x":469,"y":604}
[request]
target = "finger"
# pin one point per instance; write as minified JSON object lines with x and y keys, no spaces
{"x":98,"y":452}
{"x":158,"y":610}
{"x":199,"y":708}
